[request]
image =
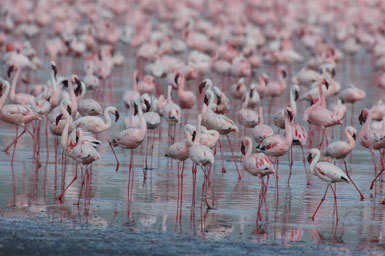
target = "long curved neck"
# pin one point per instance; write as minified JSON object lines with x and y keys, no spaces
{"x":321,"y":95}
{"x":293,"y":103}
{"x":55,"y":97}
{"x":12,"y":93}
{"x":169,"y":88}
{"x":351,"y":141}
{"x":64,"y":135}
{"x":143,"y":125}
{"x":4,"y":96}
{"x":108,"y":117}
{"x":314,"y":162}
{"x":260,"y":116}
{"x":246,"y":101}
{"x":74,"y":101}
{"x":249,"y":147}
{"x":308,"y":111}
{"x":288,"y":134}
{"x":134,"y":79}
{"x":181,"y":85}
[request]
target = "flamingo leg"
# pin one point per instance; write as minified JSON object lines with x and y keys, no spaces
{"x":235,"y":162}
{"x":116,"y":158}
{"x":223,"y":165}
{"x":304,"y":164}
{"x":335,"y":200}
{"x":15,"y":140}
{"x":14,"y":147}
{"x":73,"y":180}
{"x":290,"y":165}
{"x":322,"y":200}
{"x":374,"y":180}
{"x":347,"y":173}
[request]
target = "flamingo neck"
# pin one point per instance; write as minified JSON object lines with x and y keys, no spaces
{"x":288,"y":134}
{"x":322,"y":96}
{"x":169,"y":89}
{"x":249,"y":147}
{"x":64,"y":136}
{"x":74,"y":101}
{"x":365,"y":127}
{"x":314,"y":162}
{"x":4,"y":96}
{"x":12,"y":92}
{"x":143,"y":125}
{"x":293,"y":103}
{"x":351,"y":141}
{"x":260,"y":119}
{"x":107,"y":112}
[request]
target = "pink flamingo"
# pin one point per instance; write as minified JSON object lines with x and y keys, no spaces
{"x":129,"y":95}
{"x":257,"y":164}
{"x":15,"y":114}
{"x":340,"y":149}
{"x":147,"y":85}
{"x":18,"y":98}
{"x":247,"y":117}
{"x":96,"y":124}
{"x":132,"y":137}
{"x":218,"y":122}
{"x":186,"y":98}
{"x":277,"y":145}
{"x":327,"y":172}
{"x":351,"y":95}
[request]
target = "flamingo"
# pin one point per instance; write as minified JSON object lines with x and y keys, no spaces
{"x":96,"y":124}
{"x":218,"y":122}
{"x":220,"y":98}
{"x":129,"y":95}
{"x":131,"y":137}
{"x":340,"y":149}
{"x":186,"y":98}
{"x":247,"y":117}
{"x":278,"y":145}
{"x":254,"y":98}
{"x":327,"y":172}
{"x":18,"y":98}
{"x":15,"y":114}
{"x":257,"y":164}
{"x":293,"y":97}
{"x":351,"y":95}
{"x":89,"y":107}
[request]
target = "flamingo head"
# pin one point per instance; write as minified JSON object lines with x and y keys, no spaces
{"x":135,"y":108}
{"x":243,"y":148}
{"x":283,"y":72}
{"x":1,"y":88}
{"x":325,"y":82}
{"x":58,"y":118}
{"x":148,"y":105}
{"x":352,"y":131}
{"x":202,"y":85}
{"x":310,"y":157}
{"x":11,"y":68}
{"x":289,"y":113}
{"x":363,"y":116}
{"x":116,"y":113}
{"x":206,"y":100}
{"x":265,"y":78}
{"x":176,"y":79}
{"x":193,"y":136}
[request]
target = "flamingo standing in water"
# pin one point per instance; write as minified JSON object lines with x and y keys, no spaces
{"x":18,"y":98}
{"x":257,"y":164}
{"x":131,"y":137}
{"x":340,"y":149}
{"x":351,"y":95}
{"x":327,"y":172}
{"x":130,"y":95}
{"x":247,"y":117}
{"x":218,"y":122}
{"x":15,"y":114}
{"x":171,"y":112}
{"x":186,"y":98}
{"x":278,"y":145}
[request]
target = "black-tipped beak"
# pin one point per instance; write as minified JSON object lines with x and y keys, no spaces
{"x":9,"y":71}
{"x":206,"y":100}
{"x":333,"y":72}
{"x":243,"y":149}
{"x":176,"y":78}
{"x":135,"y":109}
{"x":326,"y":83}
{"x":65,"y":83}
{"x":116,"y":116}
{"x":361,"y":119}
{"x":54,"y":68}
{"x":266,"y":80}
{"x":284,"y":73}
{"x":296,"y":95}
{"x":148,"y":105}
{"x":69,"y":110}
{"x":309,"y":158}
{"x":194,"y":134}
{"x":251,"y":93}
{"x":354,"y":137}
{"x":58,"y":118}
{"x":290,"y":114}
{"x":201,"y":86}
{"x":238,"y":87}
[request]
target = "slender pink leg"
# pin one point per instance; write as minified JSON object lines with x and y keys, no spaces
{"x":16,"y":139}
{"x":223,"y":165}
{"x":374,"y":180}
{"x":73,"y":180}
{"x":14,"y":147}
{"x":290,"y":165}
{"x":235,"y":162}
{"x":116,"y":158}
{"x":304,"y":164}
{"x":276,"y":177}
{"x":335,"y":200}
{"x":322,"y":200}
{"x":347,"y":173}
{"x":81,"y":187}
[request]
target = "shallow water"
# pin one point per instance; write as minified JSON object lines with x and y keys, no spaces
{"x":151,"y":204}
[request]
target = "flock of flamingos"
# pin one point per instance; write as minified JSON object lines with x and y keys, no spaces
{"x":220,"y":65}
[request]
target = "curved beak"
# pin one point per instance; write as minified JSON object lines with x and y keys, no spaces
{"x":309,"y":158}
{"x":243,"y":149}
{"x":148,"y":105}
{"x":290,"y":114}
{"x":354,"y":137}
{"x":193,"y":136}
{"x":284,"y":73}
{"x":10,"y":70}
{"x":251,"y":93}
{"x":116,"y":116}
{"x":333,"y":72}
{"x":135,"y":109}
{"x":201,"y":86}
{"x":296,"y":95}
{"x":58,"y":118}
{"x":54,"y":68}
{"x":69,"y":110}
{"x":326,"y":83}
{"x":361,"y":119}
{"x":176,"y":78}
